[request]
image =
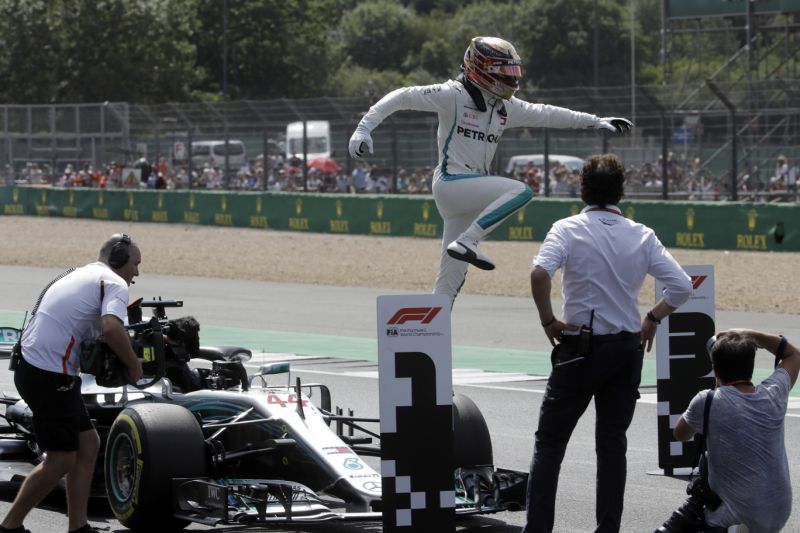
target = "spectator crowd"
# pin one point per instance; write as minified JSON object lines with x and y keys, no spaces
{"x":687,"y":178}
{"x":275,"y":175}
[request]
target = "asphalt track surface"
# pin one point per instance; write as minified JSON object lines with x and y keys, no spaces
{"x":500,"y":361}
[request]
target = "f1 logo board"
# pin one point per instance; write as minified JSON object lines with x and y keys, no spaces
{"x":683,"y":367}
{"x":416,"y":412}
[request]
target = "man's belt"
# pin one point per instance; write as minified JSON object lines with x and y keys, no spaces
{"x":621,"y":336}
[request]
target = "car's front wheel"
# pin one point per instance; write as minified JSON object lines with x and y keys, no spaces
{"x":149,"y":445}
{"x":472,"y":442}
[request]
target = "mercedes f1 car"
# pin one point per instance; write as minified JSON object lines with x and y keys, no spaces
{"x":229,"y":447}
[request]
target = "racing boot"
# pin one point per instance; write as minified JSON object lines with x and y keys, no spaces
{"x":19,"y":529}
{"x":467,"y":250}
{"x":87,"y":528}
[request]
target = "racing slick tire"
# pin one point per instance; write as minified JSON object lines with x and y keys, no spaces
{"x":149,"y":445}
{"x":471,"y":439}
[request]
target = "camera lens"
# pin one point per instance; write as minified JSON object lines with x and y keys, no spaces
{"x":686,"y":518}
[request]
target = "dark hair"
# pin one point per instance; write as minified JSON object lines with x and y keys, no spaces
{"x":734,"y":357}
{"x":602,"y":180}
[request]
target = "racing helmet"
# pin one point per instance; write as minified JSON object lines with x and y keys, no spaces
{"x":493,"y":64}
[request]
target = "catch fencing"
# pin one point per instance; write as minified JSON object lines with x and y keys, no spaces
{"x":689,"y":142}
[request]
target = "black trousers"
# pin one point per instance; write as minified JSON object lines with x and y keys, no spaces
{"x":59,"y":414}
{"x":611,"y":374}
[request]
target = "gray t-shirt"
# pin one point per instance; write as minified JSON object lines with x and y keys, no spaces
{"x":747,"y":462}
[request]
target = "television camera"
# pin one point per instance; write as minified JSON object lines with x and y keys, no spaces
{"x":147,"y":340}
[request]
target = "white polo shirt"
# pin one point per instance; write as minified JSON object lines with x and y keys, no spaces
{"x":70,"y":313}
{"x":604,"y":259}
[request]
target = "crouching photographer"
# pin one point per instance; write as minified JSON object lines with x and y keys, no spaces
{"x":747,"y":478}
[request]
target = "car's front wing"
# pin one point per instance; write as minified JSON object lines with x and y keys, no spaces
{"x":259,"y":501}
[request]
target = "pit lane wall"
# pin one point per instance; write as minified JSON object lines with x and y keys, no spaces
{"x":699,"y":225}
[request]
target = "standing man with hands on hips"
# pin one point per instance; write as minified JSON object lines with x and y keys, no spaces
{"x":474,"y":110}
{"x":78,"y":305}
{"x":599,"y":342}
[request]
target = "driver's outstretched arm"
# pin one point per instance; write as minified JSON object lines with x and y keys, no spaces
{"x":116,"y":337}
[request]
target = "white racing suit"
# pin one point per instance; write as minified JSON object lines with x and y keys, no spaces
{"x":471,"y":121}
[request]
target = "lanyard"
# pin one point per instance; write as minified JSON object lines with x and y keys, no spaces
{"x":604,"y":209}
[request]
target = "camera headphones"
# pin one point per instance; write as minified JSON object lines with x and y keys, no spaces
{"x":119,"y":255}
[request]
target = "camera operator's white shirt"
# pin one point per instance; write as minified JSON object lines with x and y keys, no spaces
{"x":70,"y":313}
{"x":604,"y":259}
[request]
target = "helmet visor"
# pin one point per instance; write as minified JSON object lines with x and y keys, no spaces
{"x":509,"y":81}
{"x":512,"y":70}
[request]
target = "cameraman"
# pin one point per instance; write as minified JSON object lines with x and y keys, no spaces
{"x":79,"y":305}
{"x":747,"y":464}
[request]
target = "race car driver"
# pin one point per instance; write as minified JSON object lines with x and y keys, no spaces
{"x":474,"y":110}
{"x":78,"y":305}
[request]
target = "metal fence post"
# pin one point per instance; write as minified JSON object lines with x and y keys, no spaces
{"x":103,"y":132}
{"x":7,"y":138}
{"x":305,"y":155}
{"x":227,"y":150}
{"x":664,"y":148}
{"x":189,"y":164}
{"x":265,"y":159}
{"x":53,"y":138}
{"x":732,"y":109}
{"x":546,"y":163}
{"x":394,"y":156}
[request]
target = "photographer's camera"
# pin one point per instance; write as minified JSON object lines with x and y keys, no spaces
{"x":689,"y":517}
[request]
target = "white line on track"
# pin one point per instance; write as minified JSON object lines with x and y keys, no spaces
{"x":465,"y":377}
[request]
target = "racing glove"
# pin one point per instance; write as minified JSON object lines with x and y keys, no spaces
{"x":617,"y":125}
{"x":360,"y":142}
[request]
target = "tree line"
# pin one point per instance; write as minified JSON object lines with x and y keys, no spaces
{"x":154,"y":51}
